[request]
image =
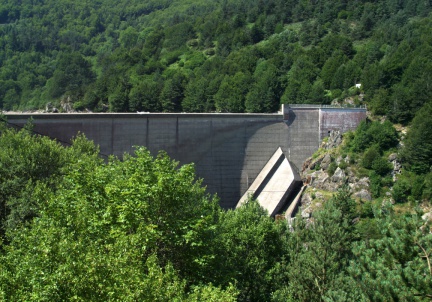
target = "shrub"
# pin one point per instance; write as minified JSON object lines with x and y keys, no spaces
{"x":375,"y":184}
{"x":343,"y":165}
{"x":401,"y":190}
{"x":369,"y":133}
{"x":427,"y":190}
{"x":370,"y":156}
{"x":367,"y":210}
{"x":381,"y":166}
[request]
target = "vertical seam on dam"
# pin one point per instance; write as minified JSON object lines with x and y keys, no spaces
{"x":177,"y":134}
{"x":112,"y":135}
{"x":319,"y":126}
{"x":147,"y":143}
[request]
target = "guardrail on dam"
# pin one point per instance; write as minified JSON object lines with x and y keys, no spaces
{"x":229,"y":150}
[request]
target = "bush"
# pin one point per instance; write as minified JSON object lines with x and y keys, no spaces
{"x":375,"y":184}
{"x":366,"y":210}
{"x":368,"y":133}
{"x":384,"y":134}
{"x":370,"y":156}
{"x":381,"y":166}
{"x":387,"y":181}
{"x":401,"y":190}
{"x":343,"y":165}
{"x":427,"y":190}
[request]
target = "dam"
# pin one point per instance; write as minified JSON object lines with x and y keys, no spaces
{"x":229,"y":150}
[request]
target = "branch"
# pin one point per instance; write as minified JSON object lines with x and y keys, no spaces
{"x":427,"y":258}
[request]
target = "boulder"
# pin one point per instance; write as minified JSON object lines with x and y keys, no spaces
{"x":363,"y":194}
{"x":392,"y":157}
{"x":318,"y":178}
{"x":325,"y":162}
{"x":427,"y":216}
{"x":334,"y":139}
{"x":306,"y":213}
{"x":357,"y":184}
{"x":338,"y":176}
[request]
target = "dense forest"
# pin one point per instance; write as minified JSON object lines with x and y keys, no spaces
{"x":77,"y":226}
{"x":214,"y":56}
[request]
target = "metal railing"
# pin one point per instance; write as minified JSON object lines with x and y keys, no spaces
{"x":326,"y":106}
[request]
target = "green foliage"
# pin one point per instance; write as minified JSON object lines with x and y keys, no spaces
{"x":76,"y":227}
{"x":343,"y":165}
{"x":319,"y":253}
{"x":231,"y":94}
{"x":384,"y":135}
{"x":332,"y":168}
{"x":395,"y":266}
{"x":381,"y":166}
{"x":28,"y":162}
{"x":71,"y":75}
{"x":369,"y":156}
{"x":375,"y":184}
{"x":109,"y":233}
{"x":309,"y":50}
{"x":249,"y":245}
{"x":264,"y":94}
{"x":427,"y":189}
{"x":417,"y":151}
{"x":401,"y":190}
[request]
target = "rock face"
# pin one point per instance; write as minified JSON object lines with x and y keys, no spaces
{"x":316,"y":173}
{"x":338,"y":176}
{"x":396,"y":165}
{"x":326,"y":162}
{"x":363,"y":194}
{"x":334,"y":140}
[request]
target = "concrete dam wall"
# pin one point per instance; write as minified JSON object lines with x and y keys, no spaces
{"x":229,"y":150}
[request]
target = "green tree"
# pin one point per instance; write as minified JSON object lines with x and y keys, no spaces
{"x":232,"y":92}
{"x":299,"y":81}
{"x":265,"y":92}
{"x":109,"y":232}
{"x":417,"y":151}
{"x":28,"y":161}
{"x":72,"y":73}
{"x":319,"y":254}
{"x":145,"y":95}
{"x":249,"y":245}
{"x":395,"y":267}
{"x":172,"y":93}
{"x":384,"y":135}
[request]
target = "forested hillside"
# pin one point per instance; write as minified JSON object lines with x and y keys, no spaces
{"x":77,"y":227}
{"x":223,"y":56}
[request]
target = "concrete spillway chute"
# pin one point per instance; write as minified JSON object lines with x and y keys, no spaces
{"x":273,"y":185}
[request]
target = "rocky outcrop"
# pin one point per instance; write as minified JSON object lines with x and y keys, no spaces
{"x":49,"y":107}
{"x":397,"y":167}
{"x":66,"y":105}
{"x":317,"y":174}
{"x":334,"y":140}
{"x":363,"y":194}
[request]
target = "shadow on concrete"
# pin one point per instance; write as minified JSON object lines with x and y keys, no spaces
{"x":291,"y":118}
